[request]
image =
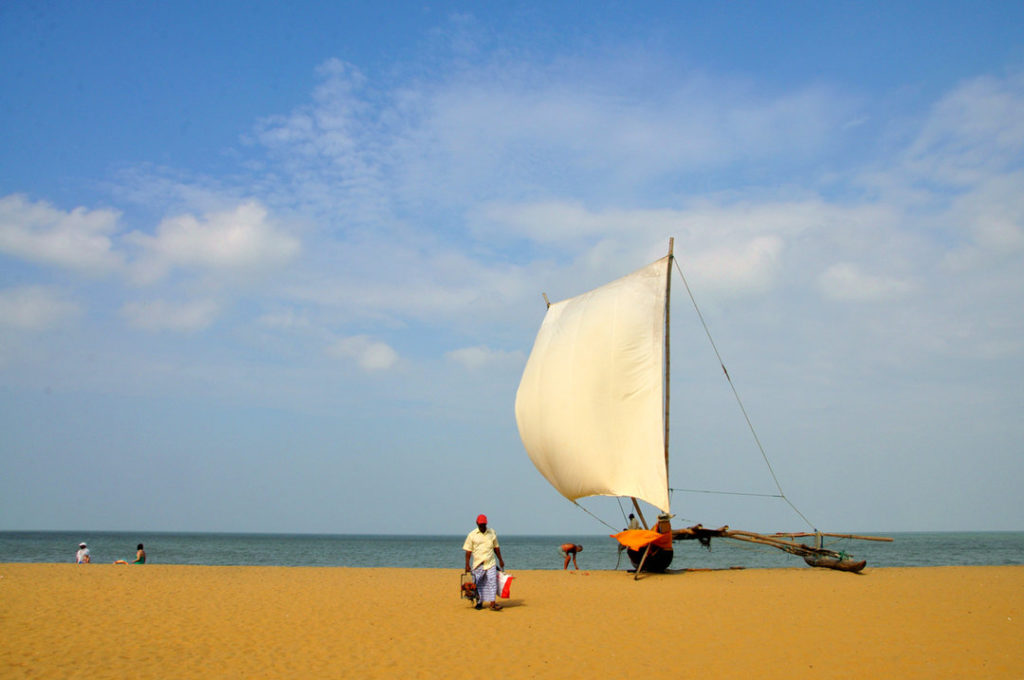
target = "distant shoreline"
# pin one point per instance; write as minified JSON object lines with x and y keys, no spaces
{"x":521,"y":552}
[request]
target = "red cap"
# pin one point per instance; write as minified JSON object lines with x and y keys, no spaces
{"x":481,"y":519}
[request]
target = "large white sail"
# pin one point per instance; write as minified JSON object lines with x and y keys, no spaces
{"x":590,"y":403}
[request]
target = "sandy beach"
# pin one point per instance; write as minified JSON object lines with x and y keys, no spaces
{"x":107,"y":621}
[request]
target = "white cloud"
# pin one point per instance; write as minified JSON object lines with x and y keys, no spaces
{"x":993,"y":213}
{"x":501,"y":131}
{"x":369,"y":354}
{"x":961,"y":177}
{"x":385,"y":281}
{"x":846,"y":281}
{"x":284,"y":320}
{"x":752,"y":266}
{"x":332,"y":150}
{"x":481,"y":356}
{"x":38,"y":232}
{"x":975,"y":130}
{"x":585,"y":120}
{"x":479,"y":149}
{"x":35,"y":308}
{"x":159,"y":315}
{"x":568,"y":223}
{"x":239,"y":241}
{"x":732,"y":249}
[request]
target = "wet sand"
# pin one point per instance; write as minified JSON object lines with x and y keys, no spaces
{"x":107,"y":621}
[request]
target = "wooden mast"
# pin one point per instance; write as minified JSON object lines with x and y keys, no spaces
{"x":668,"y":308}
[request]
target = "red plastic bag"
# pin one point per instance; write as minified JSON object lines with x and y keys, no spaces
{"x":504,"y":584}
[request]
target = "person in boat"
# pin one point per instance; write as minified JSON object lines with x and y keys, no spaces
{"x":82,"y":556}
{"x":656,"y":554}
{"x":140,"y":556}
{"x":481,"y":547}
{"x":661,"y":547}
{"x":632,"y":525}
{"x":569,"y":550}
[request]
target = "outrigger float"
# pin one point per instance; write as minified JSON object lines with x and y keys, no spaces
{"x":592,"y":410}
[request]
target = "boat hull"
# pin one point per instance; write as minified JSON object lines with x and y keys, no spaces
{"x":834,"y":563}
{"x":658,"y":559}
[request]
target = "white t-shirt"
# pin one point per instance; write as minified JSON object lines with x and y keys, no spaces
{"x":81,"y":555}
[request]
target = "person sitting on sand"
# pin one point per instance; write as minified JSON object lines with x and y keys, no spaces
{"x":140,"y":557}
{"x":481,"y":546}
{"x":570,"y":550}
{"x":82,"y":556}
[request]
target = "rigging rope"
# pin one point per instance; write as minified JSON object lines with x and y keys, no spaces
{"x":730,"y":493}
{"x":736,"y":394}
{"x":625,"y":520}
{"x":595,"y":516}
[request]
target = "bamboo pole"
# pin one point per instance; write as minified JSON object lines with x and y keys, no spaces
{"x":639,"y":568}
{"x":855,"y":537}
{"x":781,"y":542}
{"x":668,"y":344}
{"x":639,"y":512}
{"x":791,"y":547}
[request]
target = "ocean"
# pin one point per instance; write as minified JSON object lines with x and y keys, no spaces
{"x":520,"y":552}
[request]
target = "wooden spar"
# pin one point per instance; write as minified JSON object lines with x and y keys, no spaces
{"x":823,"y":557}
{"x":639,"y":512}
{"x":668,"y":309}
{"x":546,"y":300}
{"x":639,"y":567}
{"x":856,"y":537}
{"x":782,"y":544}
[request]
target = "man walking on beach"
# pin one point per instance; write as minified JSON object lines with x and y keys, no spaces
{"x":481,"y":546}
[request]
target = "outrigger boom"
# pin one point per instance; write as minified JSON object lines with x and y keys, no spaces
{"x":814,"y":555}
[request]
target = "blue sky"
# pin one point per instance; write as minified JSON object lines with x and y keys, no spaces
{"x":270,"y":268}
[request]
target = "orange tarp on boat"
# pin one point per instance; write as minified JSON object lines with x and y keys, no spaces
{"x":638,"y":539}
